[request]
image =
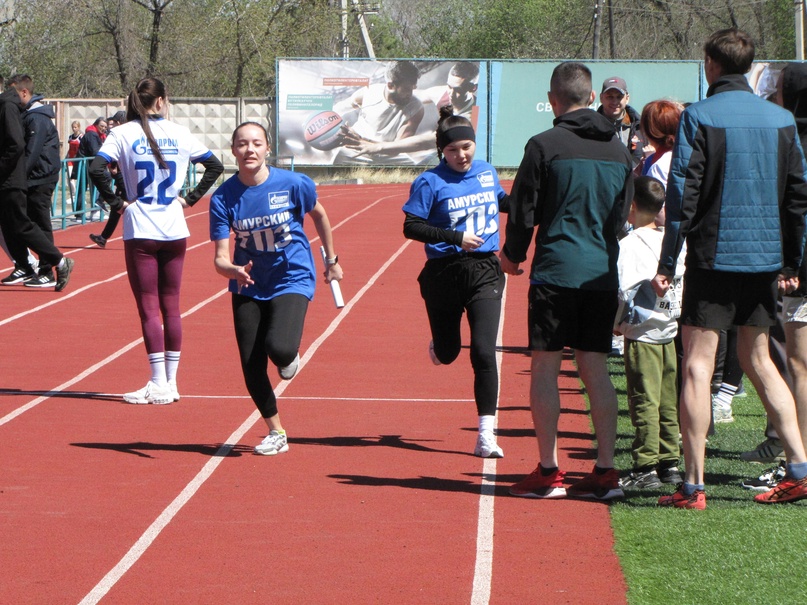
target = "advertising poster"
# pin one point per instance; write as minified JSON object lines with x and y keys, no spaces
{"x":379,"y":113}
{"x":520,"y":108}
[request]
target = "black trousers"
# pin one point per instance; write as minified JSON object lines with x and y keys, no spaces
{"x":267,"y":330}
{"x":22,"y":233}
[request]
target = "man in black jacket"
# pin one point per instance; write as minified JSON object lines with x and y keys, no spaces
{"x":42,"y":164}
{"x":19,"y":230}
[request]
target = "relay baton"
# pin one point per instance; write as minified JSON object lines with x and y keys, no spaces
{"x":335,"y":289}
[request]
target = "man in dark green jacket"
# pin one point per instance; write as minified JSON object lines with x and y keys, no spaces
{"x":573,"y":185}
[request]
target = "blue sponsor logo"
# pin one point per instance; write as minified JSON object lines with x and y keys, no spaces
{"x":278,"y":199}
{"x":485,"y":178}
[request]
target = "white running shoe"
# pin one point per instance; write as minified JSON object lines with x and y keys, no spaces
{"x":288,"y":372}
{"x":172,"y":384}
{"x":720,"y":412}
{"x":151,"y":393}
{"x":486,"y":446}
{"x":432,"y":356}
{"x":273,"y":444}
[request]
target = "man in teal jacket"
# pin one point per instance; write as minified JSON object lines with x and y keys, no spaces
{"x":573,"y":185}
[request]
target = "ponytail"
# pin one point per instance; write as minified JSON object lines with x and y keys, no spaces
{"x":138,"y":104}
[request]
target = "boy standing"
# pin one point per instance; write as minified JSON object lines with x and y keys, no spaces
{"x":649,"y":324}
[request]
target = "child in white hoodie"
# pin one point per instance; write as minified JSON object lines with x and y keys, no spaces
{"x":649,"y":324}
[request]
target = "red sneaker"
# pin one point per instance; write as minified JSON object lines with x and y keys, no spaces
{"x":598,"y":487}
{"x":788,"y":490}
{"x":696,"y":501}
{"x":536,"y":485}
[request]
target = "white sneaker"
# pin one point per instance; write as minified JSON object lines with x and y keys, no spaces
{"x":172,"y":385}
{"x":721,"y":413}
{"x":486,"y":446}
{"x":151,"y":393}
{"x":273,"y":444}
{"x":432,"y":356}
{"x":288,"y":372}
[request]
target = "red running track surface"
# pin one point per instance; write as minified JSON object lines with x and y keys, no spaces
{"x":378,"y":499}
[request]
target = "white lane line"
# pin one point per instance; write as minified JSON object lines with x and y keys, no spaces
{"x":483,"y":569}
{"x":93,"y":368}
{"x":145,"y":541}
{"x":70,"y":294}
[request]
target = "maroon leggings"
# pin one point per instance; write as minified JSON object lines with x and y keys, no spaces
{"x":155,"y":275}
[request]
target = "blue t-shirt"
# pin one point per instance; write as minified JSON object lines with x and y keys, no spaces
{"x":267,"y":220}
{"x":462,"y":201}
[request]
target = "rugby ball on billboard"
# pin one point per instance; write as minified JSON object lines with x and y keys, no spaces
{"x":323,"y":130}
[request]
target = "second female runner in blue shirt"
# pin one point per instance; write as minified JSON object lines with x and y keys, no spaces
{"x":454,"y":209}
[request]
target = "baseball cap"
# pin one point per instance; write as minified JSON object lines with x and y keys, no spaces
{"x":616,"y":83}
{"x":119,"y":117}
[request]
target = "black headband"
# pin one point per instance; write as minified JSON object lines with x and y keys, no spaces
{"x":454,"y":134}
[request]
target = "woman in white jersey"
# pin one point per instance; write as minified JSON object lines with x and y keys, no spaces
{"x":271,"y":272}
{"x":152,"y":154}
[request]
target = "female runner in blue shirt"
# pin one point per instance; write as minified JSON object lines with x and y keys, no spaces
{"x":272,"y":271}
{"x":454,"y":209}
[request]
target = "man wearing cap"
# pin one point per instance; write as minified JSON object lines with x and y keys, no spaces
{"x":614,"y":100}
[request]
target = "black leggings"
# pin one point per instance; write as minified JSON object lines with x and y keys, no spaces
{"x":449,"y":287}
{"x":483,"y":319}
{"x":267,"y":330}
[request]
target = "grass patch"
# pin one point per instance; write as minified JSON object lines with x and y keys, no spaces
{"x":734,"y":552}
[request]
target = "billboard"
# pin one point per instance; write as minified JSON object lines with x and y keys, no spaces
{"x":520,"y":108}
{"x":375,"y":113}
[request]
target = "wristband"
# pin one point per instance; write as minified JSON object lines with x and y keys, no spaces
{"x":330,"y":262}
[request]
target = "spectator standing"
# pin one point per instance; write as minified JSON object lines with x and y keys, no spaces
{"x":42,"y":166}
{"x":649,"y":324}
{"x":738,"y":232}
{"x":19,"y":231}
{"x":576,"y":169}
{"x":614,"y":99}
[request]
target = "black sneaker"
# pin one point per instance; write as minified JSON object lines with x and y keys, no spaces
{"x":98,"y":239}
{"x":63,"y":274}
{"x":40,"y":281}
{"x":767,"y":480}
{"x":671,"y":475}
{"x":641,"y":480}
{"x":17,"y":276}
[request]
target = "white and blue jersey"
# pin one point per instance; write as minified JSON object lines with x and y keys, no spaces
{"x":156,"y":213}
{"x":461,"y":201}
{"x":267,"y":220}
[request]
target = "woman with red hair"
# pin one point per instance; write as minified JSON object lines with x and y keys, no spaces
{"x":659,"y":126}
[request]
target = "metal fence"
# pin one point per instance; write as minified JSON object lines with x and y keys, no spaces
{"x":75,"y":199}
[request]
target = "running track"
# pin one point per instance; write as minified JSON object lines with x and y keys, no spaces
{"x":378,"y":499}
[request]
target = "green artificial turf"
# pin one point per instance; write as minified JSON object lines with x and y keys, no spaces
{"x":736,"y":551}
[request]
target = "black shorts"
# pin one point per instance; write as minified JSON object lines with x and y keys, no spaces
{"x":718,"y":300}
{"x":460,"y":279}
{"x":570,"y":317}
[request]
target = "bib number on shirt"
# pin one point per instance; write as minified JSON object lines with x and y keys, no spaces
{"x":146,"y":184}
{"x":267,"y":240}
{"x":475,"y":217}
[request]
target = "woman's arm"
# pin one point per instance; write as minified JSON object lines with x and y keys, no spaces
{"x":225,"y":267}
{"x":213,"y":168}
{"x":323,"y":227}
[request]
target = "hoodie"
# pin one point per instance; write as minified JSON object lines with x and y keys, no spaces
{"x":42,"y":156}
{"x":573,"y":185}
{"x":12,"y":142}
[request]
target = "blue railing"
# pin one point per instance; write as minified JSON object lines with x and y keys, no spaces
{"x":75,"y":200}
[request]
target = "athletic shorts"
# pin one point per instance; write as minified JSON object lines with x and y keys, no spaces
{"x":718,"y":300}
{"x":794,"y":309}
{"x":460,"y":279}
{"x":570,"y":317}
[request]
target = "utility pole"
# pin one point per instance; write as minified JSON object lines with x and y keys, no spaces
{"x":360,"y":9}
{"x":597,"y":23}
{"x":611,"y":34}
{"x":799,"y":6}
